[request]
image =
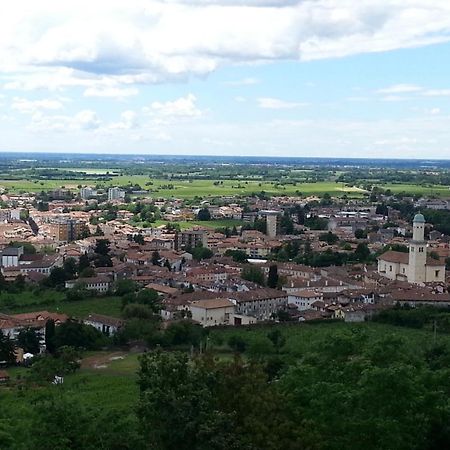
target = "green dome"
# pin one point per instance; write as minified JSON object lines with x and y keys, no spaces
{"x":419,"y":218}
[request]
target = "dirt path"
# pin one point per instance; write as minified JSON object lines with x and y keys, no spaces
{"x":101,"y":361}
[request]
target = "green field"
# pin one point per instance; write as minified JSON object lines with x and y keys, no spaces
{"x":438,"y":191}
{"x":54,"y":301}
{"x":207,"y":188}
{"x":186,"y":189}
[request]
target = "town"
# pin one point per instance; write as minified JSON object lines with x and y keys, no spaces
{"x":106,"y":284}
{"x":217,"y":261}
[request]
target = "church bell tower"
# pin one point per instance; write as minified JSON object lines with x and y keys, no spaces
{"x":417,"y":252}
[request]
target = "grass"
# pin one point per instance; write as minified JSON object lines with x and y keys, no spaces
{"x":110,"y":388}
{"x":54,"y":301}
{"x":114,"y":387}
{"x":186,"y":189}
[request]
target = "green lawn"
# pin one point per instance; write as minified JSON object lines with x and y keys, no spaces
{"x":438,"y":191}
{"x":53,"y":301}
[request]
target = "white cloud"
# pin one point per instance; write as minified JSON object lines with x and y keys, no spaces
{"x":129,"y":120}
{"x":437,"y":93}
{"x":400,"y":89}
{"x":85,"y":120}
{"x":149,"y":41}
{"x":113,"y":92}
{"x":276,"y":103}
{"x":183,"y":107}
{"x":249,"y":81}
{"x":31,"y":106}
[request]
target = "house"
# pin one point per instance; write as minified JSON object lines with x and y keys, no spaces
{"x":218,"y":311}
{"x":261,"y":303}
{"x":99,"y":284}
{"x":44,"y":265}
{"x":303,"y":299}
{"x":106,"y":324}
{"x":11,"y":256}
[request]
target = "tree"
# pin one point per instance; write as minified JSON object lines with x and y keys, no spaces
{"x":177,"y":408}
{"x":237,"y":255}
{"x":56,"y":278}
{"x":50,"y":336}
{"x":139,"y":239}
{"x":277,"y":338}
{"x":330,"y":238}
{"x":150,"y":298}
{"x":156,"y":257}
{"x":199,"y":253}
{"x":102,"y":247}
{"x":83,"y":262}
{"x":360,"y":234}
{"x":362,"y":252}
{"x":204,"y":214}
{"x":237,"y":343}
{"x":7,"y":349}
{"x":70,"y":267}
{"x":183,"y":332}
{"x":272,"y":278}
{"x":28,"y":340}
{"x":125,"y":286}
{"x":254,"y":274}
{"x":78,"y":335}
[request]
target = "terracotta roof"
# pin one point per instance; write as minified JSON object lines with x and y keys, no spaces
{"x":258,"y":294}
{"x":395,"y":257}
{"x":107,"y":320}
{"x":214,"y":303}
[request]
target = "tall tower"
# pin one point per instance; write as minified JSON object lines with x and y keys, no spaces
{"x":417,"y":252}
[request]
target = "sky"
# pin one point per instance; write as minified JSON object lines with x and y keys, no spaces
{"x":319,"y":78}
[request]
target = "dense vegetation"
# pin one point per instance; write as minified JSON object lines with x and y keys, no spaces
{"x":324,"y":386}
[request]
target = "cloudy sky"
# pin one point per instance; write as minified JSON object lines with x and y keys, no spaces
{"x":341,"y":78}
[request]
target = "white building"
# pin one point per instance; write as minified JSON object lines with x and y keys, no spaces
{"x":115,"y":193}
{"x":212,"y":312}
{"x":87,"y":192}
{"x":416,"y":266}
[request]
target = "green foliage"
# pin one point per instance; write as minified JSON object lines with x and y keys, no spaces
{"x":28,"y":340}
{"x":78,"y":335}
{"x":45,"y":367}
{"x":125,"y":286}
{"x":50,"y":332}
{"x":199,"y":253}
{"x":6,"y":349}
{"x":204,"y":214}
{"x":254,"y":274}
{"x":330,"y":238}
{"x":183,"y":332}
{"x":272,"y":278}
{"x":237,"y":255}
{"x":226,"y":404}
{"x":316,"y":223}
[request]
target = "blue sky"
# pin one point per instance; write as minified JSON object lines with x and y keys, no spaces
{"x":257,"y":77}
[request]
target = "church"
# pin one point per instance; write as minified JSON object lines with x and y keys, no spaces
{"x":416,"y":266}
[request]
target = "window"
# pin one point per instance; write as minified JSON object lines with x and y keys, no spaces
{"x":420,"y":249}
{"x":436,"y":273}
{"x":390,"y":268}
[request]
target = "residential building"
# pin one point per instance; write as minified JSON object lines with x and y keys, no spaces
{"x":212,"y":312}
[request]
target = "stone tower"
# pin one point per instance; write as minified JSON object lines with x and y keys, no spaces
{"x":417,"y":252}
